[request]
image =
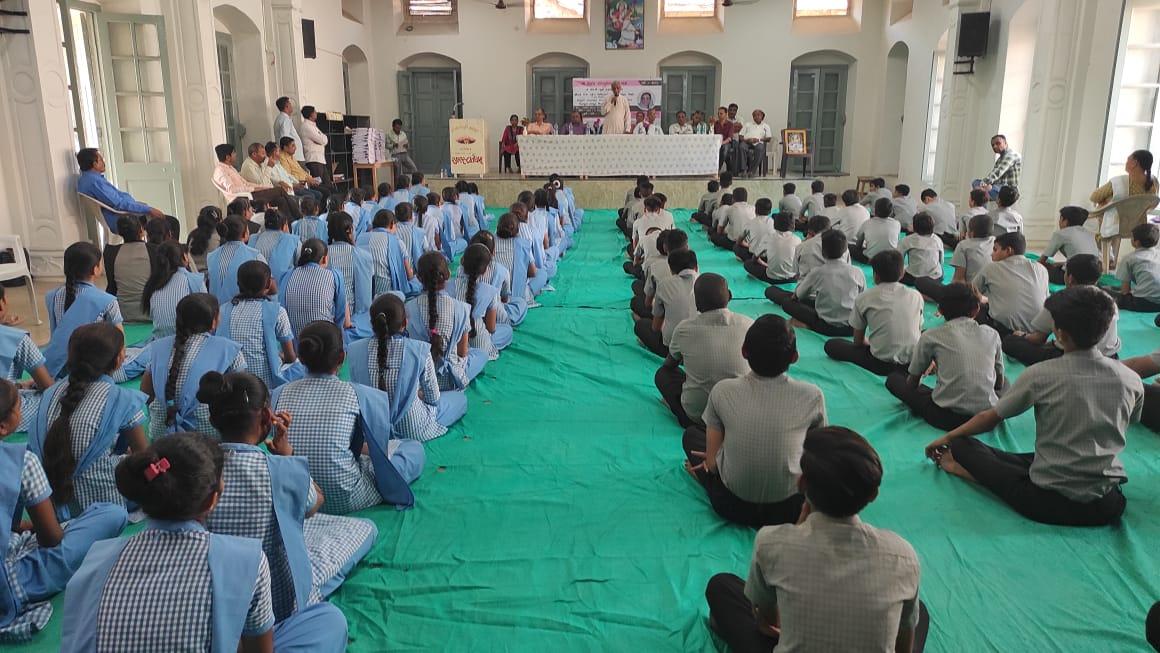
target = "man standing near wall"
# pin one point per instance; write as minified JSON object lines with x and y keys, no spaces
{"x":1008,"y":168}
{"x":314,"y":143}
{"x":284,"y":125}
{"x":399,"y":148}
{"x":615,"y":112}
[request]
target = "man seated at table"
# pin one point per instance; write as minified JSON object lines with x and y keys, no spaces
{"x":92,"y":182}
{"x":227,"y":179}
{"x":699,"y":124}
{"x":681,"y":127}
{"x":755,"y":137}
{"x":723,"y":127}
{"x":576,"y":126}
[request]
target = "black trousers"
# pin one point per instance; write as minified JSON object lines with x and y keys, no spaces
{"x":778,"y":296}
{"x":703,"y":218}
{"x":622,"y":224}
{"x":731,"y":617}
{"x":807,"y":315}
{"x":1027,"y":352}
{"x":1152,"y":626}
{"x":984,"y":318}
{"x":639,"y":309}
{"x":913,"y":281}
{"x":670,"y":381}
{"x":1151,"y":416}
{"x":758,"y":271}
{"x":651,"y":339}
{"x":1007,"y":476}
{"x":632,"y":269}
{"x":921,"y":402}
{"x":327,"y":185}
{"x":846,"y":351}
{"x":1054,"y":272}
{"x":728,"y":505}
{"x":638,"y":287}
{"x":721,"y":240}
{"x":742,"y":252}
{"x":858,"y":253}
{"x":1134,"y":303}
{"x":950,"y":240}
{"x":506,"y":157}
{"x":933,"y":288}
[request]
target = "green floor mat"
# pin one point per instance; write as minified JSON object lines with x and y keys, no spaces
{"x":557,"y":515}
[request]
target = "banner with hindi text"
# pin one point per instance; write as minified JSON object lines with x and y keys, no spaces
{"x":468,"y":146}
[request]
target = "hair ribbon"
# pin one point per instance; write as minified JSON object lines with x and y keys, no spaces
{"x":156,"y":469}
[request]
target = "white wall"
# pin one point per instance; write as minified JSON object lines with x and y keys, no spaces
{"x":322,"y":77}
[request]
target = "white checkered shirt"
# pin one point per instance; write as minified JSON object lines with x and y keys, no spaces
{"x":246,"y":330}
{"x":157,"y":410}
{"x":311,"y":295}
{"x":419,"y":423}
{"x":110,"y":314}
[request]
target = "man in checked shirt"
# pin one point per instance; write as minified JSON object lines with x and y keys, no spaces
{"x":1008,"y":168}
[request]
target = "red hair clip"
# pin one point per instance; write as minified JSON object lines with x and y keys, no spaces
{"x":156,"y":469}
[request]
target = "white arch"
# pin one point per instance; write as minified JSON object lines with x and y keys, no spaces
{"x":358,"y":69}
{"x":254,"y":107}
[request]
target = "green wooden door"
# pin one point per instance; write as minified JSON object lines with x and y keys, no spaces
{"x":817,"y":102}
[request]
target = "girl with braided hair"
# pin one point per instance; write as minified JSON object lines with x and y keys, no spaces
{"x":86,"y":422}
{"x":313,"y":290}
{"x":428,"y":223}
{"x":255,"y":320}
{"x":472,"y":287}
{"x":271,"y":497}
{"x":444,"y":322}
{"x":178,"y":362}
{"x":40,"y":557}
{"x":206,"y":237}
{"x":170,"y":281}
{"x":344,"y":430}
{"x":174,"y":586}
{"x":76,"y":303}
{"x":356,"y":268}
{"x":514,"y":305}
{"x":222,"y":264}
{"x":454,"y":230}
{"x":402,"y":367}
{"x":516,"y":253}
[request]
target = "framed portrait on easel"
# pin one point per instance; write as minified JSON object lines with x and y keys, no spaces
{"x":796,"y":142}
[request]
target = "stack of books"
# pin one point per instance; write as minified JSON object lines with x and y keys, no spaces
{"x":369,"y":145}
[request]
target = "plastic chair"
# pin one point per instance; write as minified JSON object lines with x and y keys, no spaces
{"x":1131,"y":211}
{"x":99,"y":233}
{"x":229,"y":197}
{"x":19,"y":270}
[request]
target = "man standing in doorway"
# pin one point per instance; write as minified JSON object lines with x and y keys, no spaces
{"x":1007,"y":170}
{"x":399,"y":147}
{"x":284,"y":124}
{"x":615,"y":112}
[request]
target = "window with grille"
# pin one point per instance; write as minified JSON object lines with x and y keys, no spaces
{"x":549,"y":9}
{"x":689,"y":8}
{"x":431,"y":8}
{"x":813,"y":8}
{"x":934,"y":108}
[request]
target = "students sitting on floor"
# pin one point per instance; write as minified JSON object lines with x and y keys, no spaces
{"x":471,"y":286}
{"x":20,"y":355}
{"x":707,"y":345}
{"x":824,"y":298}
{"x":886,"y":319}
{"x":923,"y":251}
{"x":1005,"y":219}
{"x":445,"y":322}
{"x":971,"y":255}
{"x":789,"y":202}
{"x":1030,"y":348}
{"x":850,"y":217}
{"x":1070,"y":239}
{"x":174,"y":586}
{"x":77,"y":303}
{"x":127,"y":268}
{"x":805,"y":579}
{"x":356,"y":269}
{"x":943,"y":212}
{"x":719,"y":213}
{"x":392,"y":263}
{"x":1139,"y":272}
{"x":877,"y":234}
{"x":976,"y":205}
{"x":809,"y":254}
{"x":746,"y":457}
{"x":968,"y":364}
{"x":708,"y":203}
{"x":629,"y":197}
{"x":646,"y":249}
{"x":878,"y":190}
{"x":636,"y":208}
{"x":735,"y":220}
{"x":276,"y":244}
{"x":774,"y":256}
{"x":672,"y":303}
{"x":310,"y":225}
{"x":815,"y":202}
{"x":756,"y":230}
{"x":1083,"y":403}
{"x":255,"y":320}
{"x":222,"y":264}
{"x":654,"y":216}
{"x":313,"y":290}
{"x":1013,"y":286}
{"x":269,"y":496}
{"x":904,"y":207}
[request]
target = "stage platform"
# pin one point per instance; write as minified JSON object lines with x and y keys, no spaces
{"x":608,"y":192}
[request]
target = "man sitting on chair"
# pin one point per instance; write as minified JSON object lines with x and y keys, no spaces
{"x":92,"y":182}
{"x":227,"y":179}
{"x":755,"y":137}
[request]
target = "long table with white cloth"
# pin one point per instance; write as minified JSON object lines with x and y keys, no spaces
{"x":624,"y":155}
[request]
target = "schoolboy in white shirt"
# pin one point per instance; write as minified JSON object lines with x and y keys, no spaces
{"x":775,"y":258}
{"x":833,"y":287}
{"x":809,"y":254}
{"x":1139,"y":272}
{"x":943,"y":212}
{"x":877,"y":234}
{"x":1070,"y":239}
{"x":923,"y":251}
{"x":886,"y":319}
{"x":850,"y":217}
{"x":1014,"y":287}
{"x":756,"y":231}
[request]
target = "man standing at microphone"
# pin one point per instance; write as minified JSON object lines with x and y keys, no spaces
{"x":615,"y":112}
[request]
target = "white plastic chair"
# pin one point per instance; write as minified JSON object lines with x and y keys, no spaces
{"x":19,"y":269}
{"x":99,"y":232}
{"x":228,"y":195}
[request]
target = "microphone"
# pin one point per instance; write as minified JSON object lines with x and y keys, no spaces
{"x":454,"y":109}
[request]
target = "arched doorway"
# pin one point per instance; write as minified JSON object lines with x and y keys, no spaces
{"x":245,"y":107}
{"x":817,"y":103}
{"x":888,"y":154}
{"x":691,"y":82}
{"x":550,"y":78}
{"x":356,"y":81}
{"x":430,"y":92}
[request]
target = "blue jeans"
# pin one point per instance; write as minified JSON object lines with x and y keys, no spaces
{"x":993,"y":194}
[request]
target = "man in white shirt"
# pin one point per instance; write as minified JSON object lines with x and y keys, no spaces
{"x":755,"y":138}
{"x":615,"y":112}
{"x":399,"y":148}
{"x":255,"y":170}
{"x":680,"y":127}
{"x":284,"y":124}
{"x":227,"y":179}
{"x":280,"y":177}
{"x":314,"y":143}
{"x":649,"y":125}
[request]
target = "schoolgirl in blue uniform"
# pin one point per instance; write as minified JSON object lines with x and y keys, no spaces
{"x":259,"y":324}
{"x":541,"y":256}
{"x":444,"y":322}
{"x":175,"y":586}
{"x":515,"y":306}
{"x":548,"y":223}
{"x":179,"y":361}
{"x":169,"y":282}
{"x":411,"y":236}
{"x":310,"y":225}
{"x":466,"y":203}
{"x":401,"y":194}
{"x":277,"y":245}
{"x":18,"y":355}
{"x":480,"y":207}
{"x":392,"y":264}
{"x":39,"y":555}
{"x":312,"y":291}
{"x":515,"y":253}
{"x":402,"y":367}
{"x":222,"y":264}
{"x":352,"y":207}
{"x":76,"y":303}
{"x":473,"y":288}
{"x":344,"y":430}
{"x":453,"y":222}
{"x":417,"y":188}
{"x":271,"y":497}
{"x":357,"y":270}
{"x":430,"y":221}
{"x":88,"y":413}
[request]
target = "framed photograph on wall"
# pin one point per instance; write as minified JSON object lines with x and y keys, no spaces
{"x":796,"y":143}
{"x":623,"y":24}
